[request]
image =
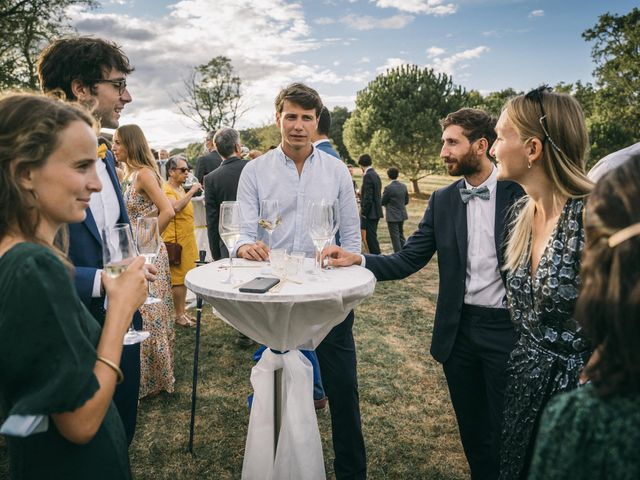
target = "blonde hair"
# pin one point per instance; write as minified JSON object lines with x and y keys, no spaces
{"x":30,"y":128}
{"x":563,"y":159}
{"x":139,"y":153}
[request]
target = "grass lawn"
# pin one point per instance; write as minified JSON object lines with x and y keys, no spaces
{"x":407,"y":419}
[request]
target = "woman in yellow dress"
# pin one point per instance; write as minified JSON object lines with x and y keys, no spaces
{"x":181,"y":230}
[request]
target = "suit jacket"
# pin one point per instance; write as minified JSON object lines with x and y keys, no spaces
{"x":443,"y":229}
{"x":221,"y":185}
{"x":325,"y":146}
{"x":85,"y":248}
{"x":207,"y":163}
{"x":370,"y":196}
{"x":394,"y":198}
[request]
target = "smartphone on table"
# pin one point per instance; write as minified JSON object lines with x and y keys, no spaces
{"x":259,"y":285}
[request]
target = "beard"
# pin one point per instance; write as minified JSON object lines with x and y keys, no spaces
{"x":468,"y":164}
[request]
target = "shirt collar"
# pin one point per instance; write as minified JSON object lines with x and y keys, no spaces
{"x":490,"y":182}
{"x":318,"y":142}
{"x":284,"y":156}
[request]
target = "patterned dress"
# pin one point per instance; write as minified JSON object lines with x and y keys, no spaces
{"x":551,"y":350}
{"x":156,"y":352}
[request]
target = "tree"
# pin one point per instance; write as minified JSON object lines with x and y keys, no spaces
{"x":27,"y":26}
{"x":339,"y":115}
{"x":493,"y":102}
{"x":397,"y":117}
{"x":261,"y":138}
{"x":616,"y":53}
{"x":212,"y":97}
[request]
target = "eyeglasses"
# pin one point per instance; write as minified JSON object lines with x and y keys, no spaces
{"x":536,"y":96}
{"x":182,"y":169}
{"x":121,"y":85}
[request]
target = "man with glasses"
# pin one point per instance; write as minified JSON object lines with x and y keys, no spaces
{"x":472,"y":333}
{"x":93,"y":72}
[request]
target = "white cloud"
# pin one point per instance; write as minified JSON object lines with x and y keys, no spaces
{"x":434,"y":52}
{"x":455,"y":62}
{"x":259,"y":36}
{"x":364,"y":60}
{"x":324,"y":21}
{"x":429,"y":7}
{"x":391,"y":63}
{"x":367,"y":22}
{"x":536,"y":13}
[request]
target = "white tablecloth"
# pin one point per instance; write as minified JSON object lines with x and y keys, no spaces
{"x":200,"y":221}
{"x":298,"y":316}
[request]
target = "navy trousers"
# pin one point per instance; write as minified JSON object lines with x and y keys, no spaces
{"x":337,"y":356}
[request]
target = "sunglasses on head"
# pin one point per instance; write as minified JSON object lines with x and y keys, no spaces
{"x":120,"y":85}
{"x":535,"y":96}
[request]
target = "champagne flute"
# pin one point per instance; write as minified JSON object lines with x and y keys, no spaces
{"x":321,"y":226}
{"x":229,"y":227}
{"x":335,"y":207}
{"x":118,"y":250}
{"x":148,"y":242}
{"x":269,"y":216}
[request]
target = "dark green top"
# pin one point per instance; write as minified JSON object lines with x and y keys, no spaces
{"x":583,"y":436}
{"x":48,"y":351}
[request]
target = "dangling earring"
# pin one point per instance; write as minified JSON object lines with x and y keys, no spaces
{"x":528,"y":163}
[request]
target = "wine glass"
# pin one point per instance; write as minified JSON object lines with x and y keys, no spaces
{"x":321,"y":225}
{"x":335,"y":206}
{"x":229,"y":228}
{"x":269,"y":216}
{"x":148,"y":242}
{"x":118,"y":250}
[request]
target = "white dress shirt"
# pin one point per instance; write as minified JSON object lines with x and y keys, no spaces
{"x":483,"y":284}
{"x":274,"y":176}
{"x":105,"y":210}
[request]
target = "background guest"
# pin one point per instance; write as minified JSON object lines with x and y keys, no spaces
{"x":143,"y":197}
{"x":541,"y":144}
{"x":210,"y":160}
{"x":182,"y":231}
{"x":370,"y":203}
{"x":594,"y":432}
{"x":395,"y":198}
{"x":58,"y":368}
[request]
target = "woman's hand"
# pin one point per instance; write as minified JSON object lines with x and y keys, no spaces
{"x":338,"y":257}
{"x":194,"y":188}
{"x":128,"y":291}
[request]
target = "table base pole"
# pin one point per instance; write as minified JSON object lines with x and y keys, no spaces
{"x":196,"y":354}
{"x":277,"y":407}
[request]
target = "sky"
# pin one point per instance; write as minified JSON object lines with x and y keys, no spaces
{"x":337,"y":47}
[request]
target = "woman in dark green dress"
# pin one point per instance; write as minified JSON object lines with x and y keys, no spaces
{"x":58,"y":369}
{"x":594,"y":432}
{"x":541,"y":144}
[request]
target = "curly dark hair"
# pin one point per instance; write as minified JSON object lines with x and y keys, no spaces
{"x":475,"y":124}
{"x":79,"y":58}
{"x":609,"y":304}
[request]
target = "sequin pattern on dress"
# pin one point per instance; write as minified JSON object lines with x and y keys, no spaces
{"x":551,"y":350}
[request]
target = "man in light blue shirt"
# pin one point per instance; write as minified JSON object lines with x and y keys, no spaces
{"x":296,"y":173}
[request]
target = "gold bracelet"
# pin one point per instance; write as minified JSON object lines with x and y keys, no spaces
{"x":112,"y":366}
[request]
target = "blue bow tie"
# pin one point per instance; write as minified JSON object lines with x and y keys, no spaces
{"x":468,"y":193}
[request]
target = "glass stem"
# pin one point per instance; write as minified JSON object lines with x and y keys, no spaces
{"x":318,"y":266}
{"x":230,"y":268}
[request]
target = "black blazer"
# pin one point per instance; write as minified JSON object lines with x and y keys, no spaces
{"x":221,"y":185}
{"x":443,"y":229}
{"x":206,"y":164}
{"x":370,"y":196}
{"x":394,"y":198}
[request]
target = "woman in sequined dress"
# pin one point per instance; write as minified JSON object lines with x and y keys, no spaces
{"x":143,"y":197}
{"x":541,"y":144}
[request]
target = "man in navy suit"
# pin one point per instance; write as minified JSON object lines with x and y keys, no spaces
{"x":472,"y":335}
{"x":395,"y":197}
{"x":93,"y":72}
{"x":320,"y":138}
{"x":210,"y":161}
{"x":370,"y":202}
